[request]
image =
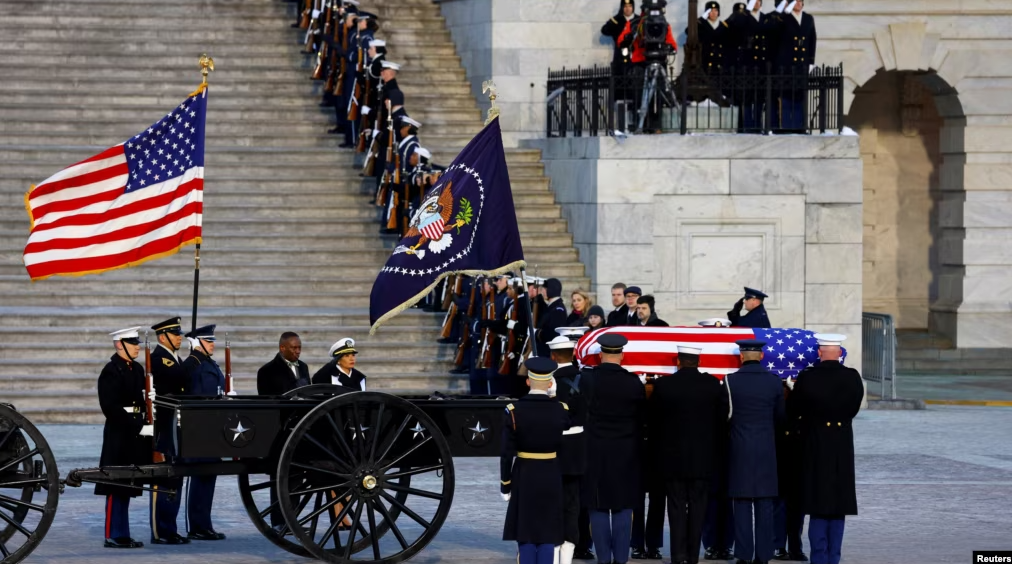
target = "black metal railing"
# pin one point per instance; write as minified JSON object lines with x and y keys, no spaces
{"x":595,"y":101}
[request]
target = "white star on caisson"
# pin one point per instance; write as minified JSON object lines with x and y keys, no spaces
{"x":239,"y":431}
{"x":477,"y":430}
{"x":418,"y":431}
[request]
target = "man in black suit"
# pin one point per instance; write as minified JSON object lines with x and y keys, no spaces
{"x":285,"y":371}
{"x":686,"y":412}
{"x":621,"y":312}
{"x":552,"y":314}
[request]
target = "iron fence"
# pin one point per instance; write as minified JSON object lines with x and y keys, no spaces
{"x":878,"y":343}
{"x":596,"y":101}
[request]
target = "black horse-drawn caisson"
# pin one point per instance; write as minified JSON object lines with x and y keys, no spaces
{"x":342,"y":476}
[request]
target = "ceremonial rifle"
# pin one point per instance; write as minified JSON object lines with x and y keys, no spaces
{"x":311,"y":30}
{"x":369,"y":168}
{"x":486,"y":358}
{"x":353,"y":104}
{"x":451,"y":311}
{"x":385,"y":183}
{"x":448,"y":297}
{"x":344,"y":49}
{"x":304,"y":22}
{"x":149,"y":411}
{"x":228,"y":366}
{"x":504,"y":368}
{"x":465,"y":334}
{"x":364,"y":126}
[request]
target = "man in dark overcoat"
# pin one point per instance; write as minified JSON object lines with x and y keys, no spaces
{"x":206,"y":379}
{"x":169,"y":379}
{"x":126,"y":439}
{"x":826,"y":398}
{"x":615,"y":414}
{"x":757,"y":406}
{"x":788,"y":520}
{"x":686,"y":413}
{"x":530,"y":473}
{"x":285,"y":371}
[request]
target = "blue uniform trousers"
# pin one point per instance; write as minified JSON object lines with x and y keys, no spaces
{"x":498,"y":384}
{"x":199,"y":497}
{"x":611,"y":531}
{"x":718,"y":528}
{"x":788,"y":523}
{"x":535,"y":553}
{"x":753,"y":528}
{"x":648,"y":532}
{"x":478,"y":376}
{"x":825,"y":535}
{"x":117,"y":516}
{"x":165,"y":507}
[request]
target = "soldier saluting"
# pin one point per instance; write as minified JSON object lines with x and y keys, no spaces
{"x":169,"y":378}
{"x":530,"y":474}
{"x":124,"y":437}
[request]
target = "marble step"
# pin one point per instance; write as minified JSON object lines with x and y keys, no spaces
{"x":268,"y":335}
{"x":144,"y":78}
{"x":167,"y":53}
{"x":210,"y":296}
{"x":221,"y":40}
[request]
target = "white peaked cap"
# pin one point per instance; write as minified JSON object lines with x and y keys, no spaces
{"x":411,"y":120}
{"x":422,"y":151}
{"x":683,"y":349}
{"x":377,"y":43}
{"x":389,"y":65}
{"x":342,"y":344}
{"x":535,"y":280}
{"x":561,"y":342}
{"x":352,"y":2}
{"x":780,"y":6}
{"x":750,"y":6}
{"x":131,"y":333}
{"x":830,"y":339}
{"x":572,"y":331}
{"x":715,"y":322}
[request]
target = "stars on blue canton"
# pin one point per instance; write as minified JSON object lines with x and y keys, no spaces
{"x":787,"y":353}
{"x":169,"y":148}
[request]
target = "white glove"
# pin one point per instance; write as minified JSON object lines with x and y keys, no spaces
{"x":553,"y":388}
{"x":316,"y":14}
{"x":505,"y":496}
{"x":148,"y":431}
{"x":781,"y":6}
{"x":365,"y":110}
{"x":151,"y":395}
{"x":643,"y":379}
{"x":375,"y":132}
{"x":232,"y":393}
{"x":511,"y":324}
{"x":790,"y":383}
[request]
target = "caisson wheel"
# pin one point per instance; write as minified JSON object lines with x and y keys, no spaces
{"x":29,"y":486}
{"x":358,"y":466}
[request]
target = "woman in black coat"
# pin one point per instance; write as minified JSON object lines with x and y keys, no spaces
{"x":341,"y":370}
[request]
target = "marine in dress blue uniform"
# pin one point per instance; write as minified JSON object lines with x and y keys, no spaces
{"x":615,"y":415}
{"x":757,"y":407}
{"x":530,"y":473}
{"x":169,"y":379}
{"x":756,"y":312}
{"x":824,"y":401}
{"x":125,"y":437}
{"x":206,"y":379}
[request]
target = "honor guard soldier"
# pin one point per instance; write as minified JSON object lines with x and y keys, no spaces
{"x":552,"y":313}
{"x":748,"y":32}
{"x":795,"y":56}
{"x":341,"y":371}
{"x":169,"y":379}
{"x":614,"y":430}
{"x":687,"y":412}
{"x":757,"y":408}
{"x":206,"y":379}
{"x":824,"y":402}
{"x":573,"y":452}
{"x":714,"y":38}
{"x":126,"y":440}
{"x":755,"y":315}
{"x":530,"y":473}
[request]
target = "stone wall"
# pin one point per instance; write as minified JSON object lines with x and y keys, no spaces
{"x":693,"y":219}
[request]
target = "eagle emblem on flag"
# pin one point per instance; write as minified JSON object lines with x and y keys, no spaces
{"x":434,"y":219}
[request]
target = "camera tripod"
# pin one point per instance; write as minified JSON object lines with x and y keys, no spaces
{"x":655,"y":81}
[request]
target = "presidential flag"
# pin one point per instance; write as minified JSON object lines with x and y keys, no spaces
{"x":129,"y":204}
{"x":465,"y":223}
{"x":653,"y":350}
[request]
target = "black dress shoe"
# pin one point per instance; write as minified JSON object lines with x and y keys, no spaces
{"x":446,"y":341}
{"x":346,"y":145}
{"x":208,"y":535}
{"x":797,"y":556}
{"x":579,"y":554}
{"x":638,"y":554}
{"x":710,"y":554}
{"x":780,"y":554}
{"x":335,"y":130}
{"x":123,"y":542}
{"x":724,"y":555}
{"x":653,"y":554}
{"x":174,"y":538}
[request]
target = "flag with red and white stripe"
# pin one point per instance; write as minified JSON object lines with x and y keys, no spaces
{"x":137,"y":201}
{"x":653,"y":350}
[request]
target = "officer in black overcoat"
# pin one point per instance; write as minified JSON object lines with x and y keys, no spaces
{"x":788,"y":520}
{"x":795,"y":57}
{"x":714,"y":38}
{"x":615,"y":417}
{"x":206,"y":379}
{"x":621,"y":60}
{"x":552,"y":314}
{"x":748,"y":32}
{"x":825,"y":400}
{"x":757,"y":407}
{"x":530,"y":472}
{"x":573,"y":454}
{"x":169,"y":379}
{"x":126,"y":439}
{"x":285,"y":371}
{"x":755,"y":315}
{"x":686,"y":413}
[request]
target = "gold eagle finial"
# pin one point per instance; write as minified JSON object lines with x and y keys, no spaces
{"x":488,"y":87}
{"x":206,"y":64}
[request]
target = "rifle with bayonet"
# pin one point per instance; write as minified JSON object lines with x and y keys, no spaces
{"x":485,"y":360}
{"x":228,"y":366}
{"x":311,"y":30}
{"x":364,"y":127}
{"x":451,"y":311}
{"x":149,"y":408}
{"x":369,"y":168}
{"x":509,"y":350}
{"x":384,"y":189}
{"x":465,"y":333}
{"x":353,"y":104}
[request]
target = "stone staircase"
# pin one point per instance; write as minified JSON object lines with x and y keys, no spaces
{"x":280,"y":197}
{"x":919,"y":352}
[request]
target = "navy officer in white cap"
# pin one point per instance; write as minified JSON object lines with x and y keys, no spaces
{"x":824,"y":401}
{"x":341,"y":371}
{"x":126,"y":438}
{"x":530,"y":473}
{"x":206,"y":379}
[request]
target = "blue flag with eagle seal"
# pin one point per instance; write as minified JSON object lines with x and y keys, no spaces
{"x":465,"y":224}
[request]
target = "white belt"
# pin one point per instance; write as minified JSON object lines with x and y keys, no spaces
{"x":573,"y":430}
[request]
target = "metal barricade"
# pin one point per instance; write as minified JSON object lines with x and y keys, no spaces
{"x":878,"y":341}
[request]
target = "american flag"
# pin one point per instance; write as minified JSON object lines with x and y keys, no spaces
{"x":652,"y":350}
{"x":132,"y":203}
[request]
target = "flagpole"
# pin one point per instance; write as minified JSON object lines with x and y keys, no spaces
{"x":206,"y":64}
